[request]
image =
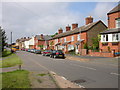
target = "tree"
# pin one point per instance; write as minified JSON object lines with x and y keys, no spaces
{"x":41,"y":46}
{"x":95,"y":43}
{"x":3,"y":39}
{"x":54,"y":35}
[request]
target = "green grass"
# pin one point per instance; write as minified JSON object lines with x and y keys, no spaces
{"x":42,"y":74}
{"x":15,"y":79}
{"x":12,"y":60}
{"x":6,"y":53}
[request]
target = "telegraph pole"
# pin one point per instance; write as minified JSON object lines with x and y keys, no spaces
{"x":11,"y":40}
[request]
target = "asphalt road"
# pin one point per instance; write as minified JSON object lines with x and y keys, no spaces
{"x":90,"y":74}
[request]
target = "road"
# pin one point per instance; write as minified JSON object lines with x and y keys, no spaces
{"x":90,"y":74}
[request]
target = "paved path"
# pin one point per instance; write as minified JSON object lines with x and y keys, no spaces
{"x":91,"y":74}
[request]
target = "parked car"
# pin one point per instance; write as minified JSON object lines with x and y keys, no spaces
{"x":46,"y":52}
{"x":57,"y":54}
{"x":28,"y":50}
{"x":23,"y":49}
{"x":32,"y":50}
{"x":37,"y":51}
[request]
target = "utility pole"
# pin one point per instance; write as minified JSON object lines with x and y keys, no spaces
{"x":11,"y":41}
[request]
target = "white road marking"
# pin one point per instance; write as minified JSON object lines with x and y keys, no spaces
{"x":115,"y":74}
{"x":84,"y":67}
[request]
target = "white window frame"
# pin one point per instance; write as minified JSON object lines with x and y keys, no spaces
{"x":65,"y":39}
{"x":117,"y":23}
{"x":114,"y":37}
{"x":72,"y":38}
{"x":78,"y":37}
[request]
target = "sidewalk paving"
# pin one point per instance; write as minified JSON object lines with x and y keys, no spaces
{"x":104,"y":60}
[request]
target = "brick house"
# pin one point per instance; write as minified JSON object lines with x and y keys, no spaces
{"x":75,"y":38}
{"x":110,"y":38}
{"x":42,"y":41}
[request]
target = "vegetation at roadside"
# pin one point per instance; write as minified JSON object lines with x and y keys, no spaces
{"x":6,"y":53}
{"x":41,"y":74}
{"x":10,"y":61}
{"x":15,"y":79}
{"x":3,"y":39}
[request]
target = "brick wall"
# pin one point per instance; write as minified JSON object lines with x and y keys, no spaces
{"x":101,"y":54}
{"x":112,"y":47}
{"x":111,"y":19}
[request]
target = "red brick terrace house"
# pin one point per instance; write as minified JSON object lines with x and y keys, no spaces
{"x":74,"y":38}
{"x":110,"y":39}
{"x":42,"y":41}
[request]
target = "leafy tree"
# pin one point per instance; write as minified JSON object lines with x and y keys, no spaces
{"x":51,"y":44}
{"x":95,"y":43}
{"x":41,"y":46}
{"x":3,"y":39}
{"x":54,"y":35}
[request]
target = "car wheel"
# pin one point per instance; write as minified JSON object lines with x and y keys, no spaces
{"x":50,"y":56}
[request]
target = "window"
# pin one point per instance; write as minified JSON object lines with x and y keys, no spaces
{"x":104,"y":38}
{"x":118,"y":23}
{"x":64,"y":39}
{"x":78,"y":37}
{"x":115,"y":37}
{"x":72,"y":38}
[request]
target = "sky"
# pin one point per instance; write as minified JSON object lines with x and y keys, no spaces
{"x":26,"y":19}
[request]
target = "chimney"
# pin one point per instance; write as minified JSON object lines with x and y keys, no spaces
{"x":24,"y":37}
{"x":41,"y":36}
{"x":89,"y":20}
{"x":68,"y":28}
{"x":74,"y":25}
{"x":60,"y":31}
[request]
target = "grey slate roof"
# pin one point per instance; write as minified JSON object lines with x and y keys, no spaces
{"x":78,"y":30}
{"x":115,"y":9}
{"x":45,"y":37}
{"x":115,"y":30}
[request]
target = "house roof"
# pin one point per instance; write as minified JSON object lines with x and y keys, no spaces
{"x":45,"y":37}
{"x":115,"y":30}
{"x":115,"y":9}
{"x":78,"y":30}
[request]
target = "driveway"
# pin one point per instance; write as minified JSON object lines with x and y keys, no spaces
{"x":90,"y":74}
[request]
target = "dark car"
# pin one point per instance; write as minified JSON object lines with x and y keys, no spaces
{"x":37,"y":51}
{"x":46,"y":52}
{"x":57,"y":54}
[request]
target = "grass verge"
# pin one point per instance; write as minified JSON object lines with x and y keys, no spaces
{"x":15,"y":79}
{"x":12,"y":60}
{"x":6,"y":53}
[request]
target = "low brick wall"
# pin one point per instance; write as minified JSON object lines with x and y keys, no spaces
{"x":101,"y":54}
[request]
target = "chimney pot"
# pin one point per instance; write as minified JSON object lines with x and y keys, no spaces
{"x":74,"y":25}
{"x":68,"y":28}
{"x":89,"y":20}
{"x":60,"y":31}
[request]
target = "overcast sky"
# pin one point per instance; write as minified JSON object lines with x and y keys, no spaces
{"x":25,"y":19}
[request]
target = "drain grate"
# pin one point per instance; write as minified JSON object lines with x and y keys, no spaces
{"x":79,"y":81}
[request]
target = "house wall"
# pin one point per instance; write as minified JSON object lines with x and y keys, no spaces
{"x":94,"y":32}
{"x":26,"y":44}
{"x":111,"y":19}
{"x":105,"y":48}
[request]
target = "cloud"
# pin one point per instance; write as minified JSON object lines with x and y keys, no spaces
{"x":101,"y":10}
{"x":27,"y":19}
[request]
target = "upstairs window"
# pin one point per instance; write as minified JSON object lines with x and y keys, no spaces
{"x":78,"y":37}
{"x":105,"y":38}
{"x":72,"y":38}
{"x":118,"y":23}
{"x":64,"y":39}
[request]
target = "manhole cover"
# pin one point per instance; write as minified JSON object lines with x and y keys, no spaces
{"x":79,"y":81}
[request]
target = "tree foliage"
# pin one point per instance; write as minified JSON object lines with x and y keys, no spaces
{"x":3,"y":39}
